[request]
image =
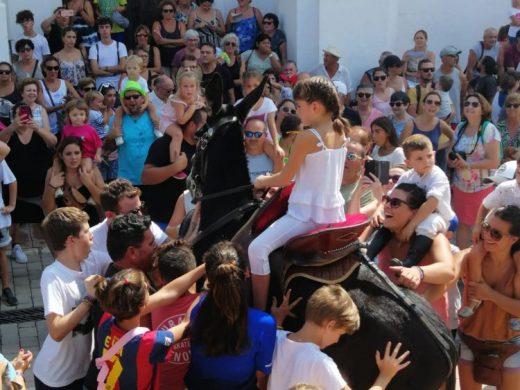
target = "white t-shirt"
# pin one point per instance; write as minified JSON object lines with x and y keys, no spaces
{"x":435,"y":184}
{"x":295,"y":362}
{"x":107,"y":56}
{"x":259,"y":164}
{"x":395,"y":158}
{"x":262,"y":112}
{"x":506,"y":193}
{"x":6,"y":177}
{"x":513,"y":29}
{"x":41,"y":46}
{"x":100,"y":232}
{"x":446,"y":102}
{"x":342,"y":74}
{"x":59,"y":363}
{"x":142,"y":82}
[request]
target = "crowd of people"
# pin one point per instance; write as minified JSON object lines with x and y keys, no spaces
{"x":109,"y":101}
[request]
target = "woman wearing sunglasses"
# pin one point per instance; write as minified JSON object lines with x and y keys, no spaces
{"x":54,"y":93}
{"x":495,"y":321}
{"x":382,"y":92}
{"x":9,"y":94}
{"x":230,"y":44}
{"x":286,"y":108}
{"x":427,"y":123}
{"x":142,"y":41}
{"x":26,"y":66}
{"x":367,"y":112}
{"x":208,"y":22}
{"x":510,"y":128}
{"x":436,"y":268}
{"x":475,"y":150}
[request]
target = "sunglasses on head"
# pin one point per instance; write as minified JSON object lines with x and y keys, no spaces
{"x":429,"y":101}
{"x":26,"y":49}
{"x":377,"y":78}
{"x":353,"y":157}
{"x":287,"y":110}
{"x":394,"y":203}
{"x":396,"y":104}
{"x":513,"y":105}
{"x":138,"y":209}
{"x":54,"y":68}
{"x":255,"y":134}
{"x":167,"y":10}
{"x":132,"y":97}
{"x":6,"y":71}
{"x":362,"y":95}
{"x":472,"y":104}
{"x":229,"y":43}
{"x":427,"y":70}
{"x":495,"y":234}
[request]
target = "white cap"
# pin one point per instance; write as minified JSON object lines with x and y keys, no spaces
{"x":341,"y":87}
{"x":506,"y":171}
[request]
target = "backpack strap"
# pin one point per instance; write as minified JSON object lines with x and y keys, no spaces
{"x":35,"y":68}
{"x":418,"y":94}
{"x":481,"y":50}
{"x":101,"y":361}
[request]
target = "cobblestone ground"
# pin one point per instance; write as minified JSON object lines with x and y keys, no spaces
{"x":26,"y":285}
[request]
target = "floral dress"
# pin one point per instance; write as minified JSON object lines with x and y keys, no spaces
{"x":507,"y":141}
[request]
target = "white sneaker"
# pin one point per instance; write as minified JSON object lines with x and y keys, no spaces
{"x":18,"y":255}
{"x":119,"y":141}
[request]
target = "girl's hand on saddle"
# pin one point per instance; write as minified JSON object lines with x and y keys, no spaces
{"x":479,"y":290}
{"x":259,"y":185}
{"x":407,"y":277}
{"x":391,"y":363}
{"x":281,"y":312}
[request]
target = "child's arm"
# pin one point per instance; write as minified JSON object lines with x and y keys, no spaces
{"x":117,"y":124}
{"x":481,"y":214}
{"x":422,"y":213}
{"x":13,"y":190}
{"x":389,"y":365}
{"x":152,"y":111}
{"x":60,"y":326}
{"x":304,"y":144}
{"x":179,"y":212}
{"x":97,"y":157}
{"x":4,"y":150}
{"x":184,"y":113}
{"x":174,"y":289}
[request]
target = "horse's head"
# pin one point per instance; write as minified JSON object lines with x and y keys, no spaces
{"x":220,"y":161}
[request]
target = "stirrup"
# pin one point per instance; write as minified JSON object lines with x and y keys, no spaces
{"x":396,"y":263}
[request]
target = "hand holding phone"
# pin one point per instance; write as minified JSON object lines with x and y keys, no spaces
{"x":380,"y":169}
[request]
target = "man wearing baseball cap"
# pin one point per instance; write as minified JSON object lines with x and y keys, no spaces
{"x":332,"y":69}
{"x":449,"y":59}
{"x":138,"y":132}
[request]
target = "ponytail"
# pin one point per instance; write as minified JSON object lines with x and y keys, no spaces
{"x":340,"y":125}
{"x":227,"y":290}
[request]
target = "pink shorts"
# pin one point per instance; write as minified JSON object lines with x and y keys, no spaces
{"x":466,"y":204}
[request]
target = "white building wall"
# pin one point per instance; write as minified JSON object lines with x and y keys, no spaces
{"x":361,"y":29}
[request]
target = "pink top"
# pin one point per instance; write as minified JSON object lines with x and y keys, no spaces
{"x":167,"y":114}
{"x":440,"y":305}
{"x":90,"y":141}
{"x":374,"y":114}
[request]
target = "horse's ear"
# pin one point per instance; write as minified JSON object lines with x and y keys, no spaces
{"x":243,"y":108}
{"x":213,"y":92}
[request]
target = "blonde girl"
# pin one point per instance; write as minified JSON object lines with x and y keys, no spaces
{"x":316,"y":165}
{"x":179,"y":110}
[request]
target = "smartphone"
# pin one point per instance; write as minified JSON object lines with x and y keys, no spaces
{"x":25,"y":113}
{"x":380,"y":169}
{"x":67,"y":13}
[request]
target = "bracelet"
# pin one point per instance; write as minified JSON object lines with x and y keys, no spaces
{"x":421,"y":272}
{"x":88,"y":300}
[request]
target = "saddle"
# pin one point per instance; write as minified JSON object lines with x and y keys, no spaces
{"x":489,"y":357}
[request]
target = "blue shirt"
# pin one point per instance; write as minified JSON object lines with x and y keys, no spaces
{"x":228,"y":372}
{"x":138,"y":135}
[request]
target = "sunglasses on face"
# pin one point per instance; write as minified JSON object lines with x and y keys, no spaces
{"x":88,"y":89}
{"x":353,"y":157}
{"x":255,"y":134}
{"x":26,"y":49}
{"x":139,"y":209}
{"x":394,"y":203}
{"x":511,"y":105}
{"x":425,"y":70}
{"x":495,"y":234}
{"x":287,"y":110}
{"x":429,"y":101}
{"x":396,"y":104}
{"x":167,"y":11}
{"x":267,"y":22}
{"x":230,"y":44}
{"x":395,"y":178}
{"x":132,"y":97}
{"x":377,"y":78}
{"x":142,"y":35}
{"x":6,"y":71}
{"x":52,"y":68}
{"x":364,"y":95}
{"x":472,"y":104}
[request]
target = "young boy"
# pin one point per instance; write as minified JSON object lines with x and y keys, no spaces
{"x":134,"y":67}
{"x":65,"y":354}
{"x":447,"y":108}
{"x":297,"y":358}
{"x":434,"y":216}
{"x":175,"y":258}
{"x":25,"y":18}
{"x":399,"y":102}
{"x":6,"y":178}
{"x":506,"y":193}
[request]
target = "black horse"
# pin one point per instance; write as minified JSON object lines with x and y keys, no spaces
{"x":220,"y":179}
